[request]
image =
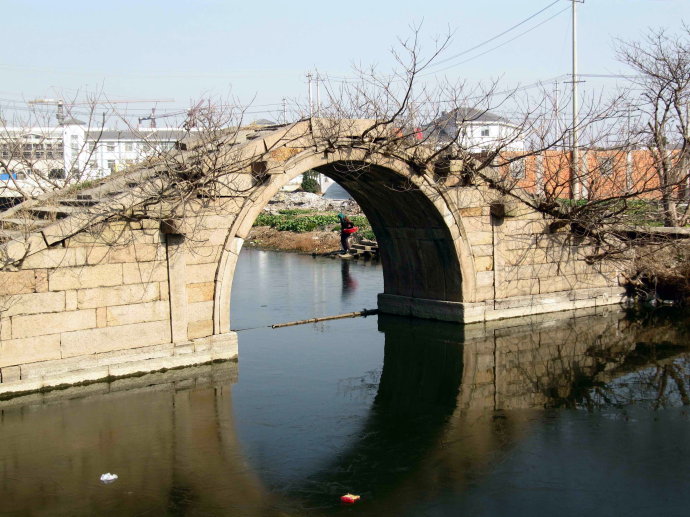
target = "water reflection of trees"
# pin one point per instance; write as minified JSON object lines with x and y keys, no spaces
{"x":635,"y":359}
{"x":446,"y":394}
{"x":663,"y":384}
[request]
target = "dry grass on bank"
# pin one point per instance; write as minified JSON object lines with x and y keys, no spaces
{"x":265,"y":237}
{"x":663,"y":272}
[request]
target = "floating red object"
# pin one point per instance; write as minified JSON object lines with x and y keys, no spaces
{"x":349,"y":498}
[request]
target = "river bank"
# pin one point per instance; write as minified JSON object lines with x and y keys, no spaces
{"x":305,"y":223}
{"x":267,"y":238}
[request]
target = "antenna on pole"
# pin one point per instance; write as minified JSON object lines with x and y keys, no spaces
{"x":318,"y":102}
{"x":575,"y":186}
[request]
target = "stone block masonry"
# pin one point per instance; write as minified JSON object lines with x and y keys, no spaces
{"x":86,"y":311}
{"x":83,"y":300}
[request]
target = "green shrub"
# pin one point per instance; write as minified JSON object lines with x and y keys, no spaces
{"x":310,"y":183}
{"x":294,"y":211}
{"x":369,"y":234}
{"x":301,"y":220}
{"x":266,"y":220}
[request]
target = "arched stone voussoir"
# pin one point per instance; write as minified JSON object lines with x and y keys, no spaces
{"x":425,"y":252}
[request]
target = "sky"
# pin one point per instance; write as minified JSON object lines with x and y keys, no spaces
{"x":259,"y":52}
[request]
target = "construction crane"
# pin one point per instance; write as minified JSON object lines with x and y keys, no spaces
{"x":60,"y":103}
{"x":190,"y":113}
{"x":60,"y":116}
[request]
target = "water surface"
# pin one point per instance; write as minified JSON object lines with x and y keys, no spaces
{"x":556,"y":415}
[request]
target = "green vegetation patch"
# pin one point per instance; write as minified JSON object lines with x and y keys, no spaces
{"x":301,"y":220}
{"x":625,"y":211}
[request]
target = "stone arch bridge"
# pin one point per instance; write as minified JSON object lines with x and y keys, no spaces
{"x":118,"y":279}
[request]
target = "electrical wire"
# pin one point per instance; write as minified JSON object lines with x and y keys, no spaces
{"x":343,"y":79}
{"x":485,"y":42}
{"x":497,"y":46}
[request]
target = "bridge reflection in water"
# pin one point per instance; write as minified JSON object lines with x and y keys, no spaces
{"x":454,"y":407}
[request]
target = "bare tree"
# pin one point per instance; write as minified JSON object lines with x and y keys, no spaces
{"x":38,"y":157}
{"x":662,"y":64}
{"x":410,"y":115}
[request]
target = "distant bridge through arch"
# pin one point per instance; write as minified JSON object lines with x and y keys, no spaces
{"x":114,"y":282}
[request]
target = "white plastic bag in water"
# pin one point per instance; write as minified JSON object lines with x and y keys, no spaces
{"x":108,"y":477}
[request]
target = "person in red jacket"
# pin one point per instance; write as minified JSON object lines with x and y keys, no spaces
{"x":347,"y":228}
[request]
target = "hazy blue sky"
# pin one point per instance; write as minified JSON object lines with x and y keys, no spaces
{"x":262,"y":49}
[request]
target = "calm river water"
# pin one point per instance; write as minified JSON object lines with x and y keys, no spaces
{"x":558,"y":415}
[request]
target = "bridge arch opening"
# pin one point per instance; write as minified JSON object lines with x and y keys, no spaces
{"x":423,"y":253}
{"x":416,"y":247}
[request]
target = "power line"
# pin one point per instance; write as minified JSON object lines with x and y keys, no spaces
{"x":611,"y":76}
{"x":467,"y":51}
{"x":497,"y":46}
{"x":343,"y":79}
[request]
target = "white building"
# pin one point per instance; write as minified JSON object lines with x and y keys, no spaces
{"x":111,"y":150}
{"x":32,"y":158}
{"x":475,"y":130}
{"x":38,"y":159}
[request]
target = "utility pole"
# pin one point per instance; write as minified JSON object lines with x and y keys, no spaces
{"x":311,"y":105}
{"x":575,"y":186}
{"x":557,"y":115}
{"x":318,"y":102}
{"x":284,"y":110}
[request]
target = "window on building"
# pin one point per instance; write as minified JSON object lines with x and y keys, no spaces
{"x":606,"y":164}
{"x":517,"y":168}
{"x":485,"y":132}
{"x":129,"y":146}
{"x":57,"y":174}
{"x":111,"y":165}
{"x":110,"y":147}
